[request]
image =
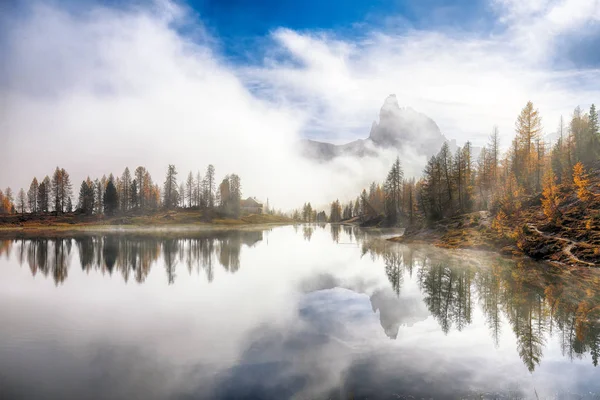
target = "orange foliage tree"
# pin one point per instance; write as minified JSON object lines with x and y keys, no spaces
{"x":581,"y":181}
{"x":550,"y":196}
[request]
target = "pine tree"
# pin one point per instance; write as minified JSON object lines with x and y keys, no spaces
{"x":85,"y":202}
{"x":393,"y":191}
{"x":111,"y":197}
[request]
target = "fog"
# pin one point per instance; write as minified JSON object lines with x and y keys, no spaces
{"x":96,"y":90}
{"x":106,"y":89}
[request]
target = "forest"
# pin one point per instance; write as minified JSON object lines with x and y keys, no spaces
{"x":542,"y":195}
{"x":455,"y":183}
{"x":135,"y":193}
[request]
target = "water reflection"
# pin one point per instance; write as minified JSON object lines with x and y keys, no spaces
{"x":325,"y":302}
{"x":132,"y":256}
{"x":536,"y":303}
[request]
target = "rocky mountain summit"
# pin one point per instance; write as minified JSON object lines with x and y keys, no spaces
{"x":397,"y":128}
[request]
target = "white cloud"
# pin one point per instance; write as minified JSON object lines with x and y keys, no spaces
{"x":109,"y":89}
{"x":466,"y":84}
{"x":104,"y":89}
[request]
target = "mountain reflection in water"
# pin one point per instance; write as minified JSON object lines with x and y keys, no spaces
{"x":534,"y":304}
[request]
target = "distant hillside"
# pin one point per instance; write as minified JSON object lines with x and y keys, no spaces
{"x":398,"y":128}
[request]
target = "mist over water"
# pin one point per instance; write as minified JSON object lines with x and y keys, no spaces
{"x":317,"y":311}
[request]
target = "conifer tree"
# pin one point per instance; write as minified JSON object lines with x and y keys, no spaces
{"x":550,"y":196}
{"x":111,"y":197}
{"x":170,"y":195}
{"x":529,"y":129}
{"x":21,"y":201}
{"x":32,"y":196}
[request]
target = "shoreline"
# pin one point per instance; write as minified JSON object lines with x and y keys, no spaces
{"x":72,"y":230}
{"x":474,"y":231}
{"x":19,"y":226}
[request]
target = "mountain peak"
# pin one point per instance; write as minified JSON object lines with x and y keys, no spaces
{"x":390,"y":107}
{"x":398,"y":127}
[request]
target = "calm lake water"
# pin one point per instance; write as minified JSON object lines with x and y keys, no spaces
{"x":306,"y":312}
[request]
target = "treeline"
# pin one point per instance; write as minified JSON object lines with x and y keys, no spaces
{"x":391,"y":200}
{"x":454,"y":183}
{"x":308,"y":214}
{"x":129,"y":192}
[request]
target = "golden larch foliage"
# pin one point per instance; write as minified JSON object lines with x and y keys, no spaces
{"x":581,"y":181}
{"x":550,"y":196}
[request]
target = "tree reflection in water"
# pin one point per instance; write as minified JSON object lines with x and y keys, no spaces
{"x":535,"y":302}
{"x":131,"y":255}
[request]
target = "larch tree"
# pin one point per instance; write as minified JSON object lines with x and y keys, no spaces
{"x":9,"y":199}
{"x":170,"y":196}
{"x":494,"y":152}
{"x":550,"y":196}
{"x":140,"y":175}
{"x":335,"y":213}
{"x":22,"y":201}
{"x":189,"y":189}
{"x":44,"y":191}
{"x":528,"y":128}
{"x":32,"y":196}
{"x":445,"y":162}
{"x":582,"y":182}
{"x":181,"y":195}
{"x":61,"y":189}
{"x":209,"y":186}
{"x":198,"y":190}
{"x":135,"y":194}
{"x":125,"y":190}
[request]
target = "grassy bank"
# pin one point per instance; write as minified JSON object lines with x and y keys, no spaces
{"x":11,"y":225}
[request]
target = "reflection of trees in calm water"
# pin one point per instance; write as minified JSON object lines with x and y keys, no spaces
{"x":48,"y":257}
{"x":133,"y":256}
{"x":335,"y":233}
{"x":535,"y":302}
{"x":307,"y":231}
{"x":447,"y":293}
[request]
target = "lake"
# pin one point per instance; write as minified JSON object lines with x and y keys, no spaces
{"x":294,"y":312}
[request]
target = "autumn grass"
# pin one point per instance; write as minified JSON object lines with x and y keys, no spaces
{"x":180,"y":220}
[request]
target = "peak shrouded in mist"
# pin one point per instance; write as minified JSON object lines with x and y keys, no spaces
{"x":405,"y":127}
{"x":403,"y":130}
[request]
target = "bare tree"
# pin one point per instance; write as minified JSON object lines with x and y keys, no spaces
{"x":21,"y":201}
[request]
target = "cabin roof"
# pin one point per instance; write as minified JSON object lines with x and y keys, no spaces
{"x":250,"y":202}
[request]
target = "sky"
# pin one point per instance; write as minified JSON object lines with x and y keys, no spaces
{"x":95,"y":86}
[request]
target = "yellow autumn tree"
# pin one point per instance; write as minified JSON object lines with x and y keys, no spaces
{"x":550,"y":196}
{"x":582,"y":182}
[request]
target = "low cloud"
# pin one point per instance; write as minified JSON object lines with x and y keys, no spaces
{"x":97,"y":90}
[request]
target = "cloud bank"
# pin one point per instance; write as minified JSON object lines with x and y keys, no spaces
{"x":100,"y":89}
